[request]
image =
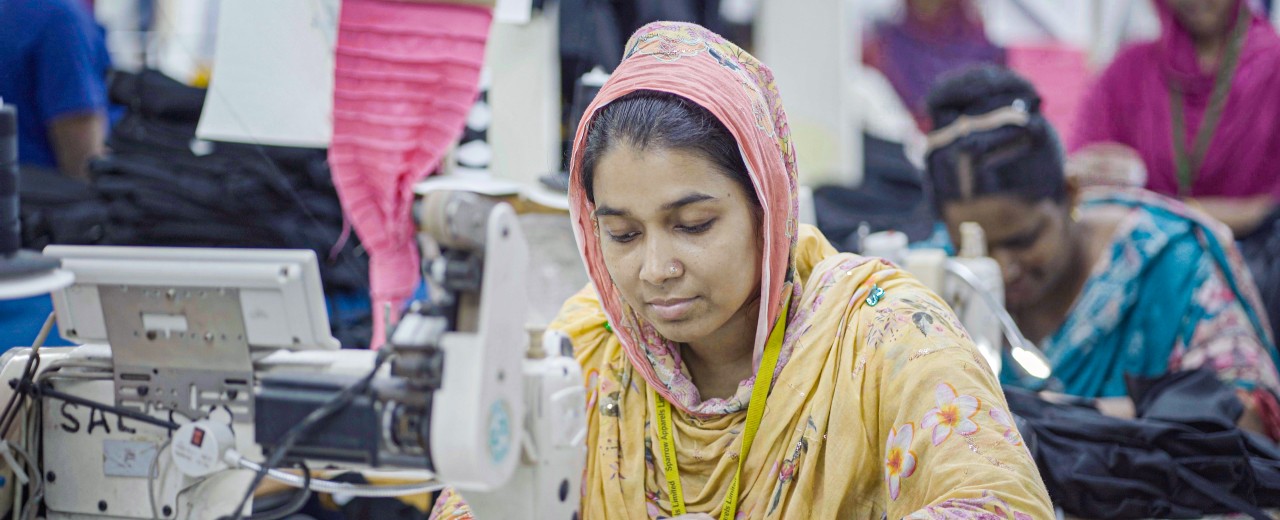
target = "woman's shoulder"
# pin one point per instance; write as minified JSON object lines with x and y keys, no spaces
{"x":886,"y":325}
{"x":1106,"y":225}
{"x":875,"y":298}
{"x":584,"y":321}
{"x":1160,"y":213}
{"x":812,"y":249}
{"x":1138,"y":58}
{"x":1138,"y":62}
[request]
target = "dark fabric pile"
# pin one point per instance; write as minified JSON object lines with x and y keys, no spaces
{"x":891,"y":197}
{"x":1261,"y":250}
{"x":593,"y":32}
{"x":1183,"y":457}
{"x":56,"y":209}
{"x":159,"y":186}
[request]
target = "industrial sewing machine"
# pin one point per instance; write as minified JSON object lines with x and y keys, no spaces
{"x":198,"y":365}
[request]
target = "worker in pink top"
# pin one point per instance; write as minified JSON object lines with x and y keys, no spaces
{"x":1201,"y":105}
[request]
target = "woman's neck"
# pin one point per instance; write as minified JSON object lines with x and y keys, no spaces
{"x":1209,"y":51}
{"x":1044,"y":318}
{"x":721,"y":361}
{"x":718,"y":374}
{"x":1090,"y":237}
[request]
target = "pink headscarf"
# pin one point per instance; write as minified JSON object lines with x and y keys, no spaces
{"x":1130,"y":105}
{"x":698,"y":65}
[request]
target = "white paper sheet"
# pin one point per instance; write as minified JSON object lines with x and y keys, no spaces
{"x":272,"y":80}
{"x":517,"y":12}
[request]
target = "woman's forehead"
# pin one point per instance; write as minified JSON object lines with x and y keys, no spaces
{"x":999,"y":214}
{"x":631,"y":181}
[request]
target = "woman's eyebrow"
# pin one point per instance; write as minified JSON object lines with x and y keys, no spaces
{"x":692,"y":198}
{"x":686,"y":200}
{"x":1023,"y":236}
{"x":606,"y":211}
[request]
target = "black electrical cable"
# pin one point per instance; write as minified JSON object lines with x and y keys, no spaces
{"x":297,"y":502}
{"x":37,"y":447}
{"x":17,"y":398}
{"x":13,"y":408}
{"x":337,"y":403}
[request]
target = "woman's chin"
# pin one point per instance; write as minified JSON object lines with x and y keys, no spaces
{"x":685,"y":331}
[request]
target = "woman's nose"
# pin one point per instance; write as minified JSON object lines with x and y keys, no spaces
{"x":659,"y":264}
{"x":1009,"y":265}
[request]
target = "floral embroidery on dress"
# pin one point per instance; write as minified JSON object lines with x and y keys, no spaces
{"x":932,"y":318}
{"x":1224,"y":341}
{"x":899,"y":460}
{"x":929,"y":318}
{"x":787,"y":471}
{"x":1212,"y":318}
{"x":592,"y":378}
{"x":954,"y":414}
{"x":887,"y":326}
{"x":651,"y":499}
{"x":986,"y":507}
{"x":924,"y":322}
{"x":1010,"y":431}
{"x":450,"y":506}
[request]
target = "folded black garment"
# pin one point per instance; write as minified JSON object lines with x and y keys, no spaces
{"x":1183,"y":457}
{"x":1261,"y":251}
{"x":56,"y":209}
{"x":891,"y":197}
{"x":152,"y":94}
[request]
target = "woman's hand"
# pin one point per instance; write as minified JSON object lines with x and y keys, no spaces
{"x":1251,"y":417}
{"x":1242,"y":215}
{"x":1118,"y":407}
{"x":1123,"y":408}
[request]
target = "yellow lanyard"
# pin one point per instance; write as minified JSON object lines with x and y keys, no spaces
{"x":755,"y":411}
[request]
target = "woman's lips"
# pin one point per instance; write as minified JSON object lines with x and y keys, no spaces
{"x":671,"y":309}
{"x":1018,"y":291}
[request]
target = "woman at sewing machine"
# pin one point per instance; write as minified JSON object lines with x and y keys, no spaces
{"x":1111,"y":281}
{"x":737,"y":365}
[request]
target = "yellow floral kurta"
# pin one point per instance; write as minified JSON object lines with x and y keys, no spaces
{"x":880,"y":411}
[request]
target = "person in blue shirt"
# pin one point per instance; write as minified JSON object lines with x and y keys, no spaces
{"x":53,"y":67}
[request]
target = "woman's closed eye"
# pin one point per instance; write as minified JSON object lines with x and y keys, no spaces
{"x":696,"y":228}
{"x":1019,"y":243}
{"x":625,"y":236}
{"x":1022,"y":241}
{"x":622,"y":237}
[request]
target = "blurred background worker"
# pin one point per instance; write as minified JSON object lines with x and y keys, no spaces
{"x":53,"y":68}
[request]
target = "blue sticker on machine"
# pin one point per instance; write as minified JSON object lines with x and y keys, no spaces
{"x":499,"y":431}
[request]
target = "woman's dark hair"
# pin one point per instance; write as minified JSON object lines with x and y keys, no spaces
{"x":1026,"y":161}
{"x":649,"y":119}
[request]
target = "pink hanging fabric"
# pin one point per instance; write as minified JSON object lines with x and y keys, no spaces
{"x":406,"y":74}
